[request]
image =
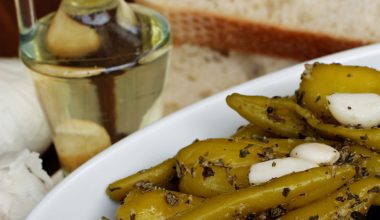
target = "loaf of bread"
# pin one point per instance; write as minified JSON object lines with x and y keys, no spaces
{"x":300,"y":29}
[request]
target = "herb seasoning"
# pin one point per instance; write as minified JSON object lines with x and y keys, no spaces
{"x":273,"y":164}
{"x":358,"y":216}
{"x":276,"y":118}
{"x":145,"y":186}
{"x":267,"y":154}
{"x":270,"y":110}
{"x":251,"y":216}
{"x":207,"y":172}
{"x":375,"y":189}
{"x":171,"y":199}
{"x":243,"y":153}
{"x":285,"y":192}
{"x":132,"y":216}
{"x":314,"y":217}
{"x":274,"y":213}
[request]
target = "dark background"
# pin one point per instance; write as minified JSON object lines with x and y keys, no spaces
{"x":8,"y":23}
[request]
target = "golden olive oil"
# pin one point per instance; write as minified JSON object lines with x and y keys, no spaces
{"x":98,"y":97}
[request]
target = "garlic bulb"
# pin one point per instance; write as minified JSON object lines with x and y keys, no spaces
{"x":23,"y":183}
{"x":22,"y":122}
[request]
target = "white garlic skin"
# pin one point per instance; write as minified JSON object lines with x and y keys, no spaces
{"x":23,"y":183}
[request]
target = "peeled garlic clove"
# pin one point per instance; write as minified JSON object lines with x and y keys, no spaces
{"x":77,"y":140}
{"x":265,"y":171}
{"x":316,"y":152}
{"x":69,"y":38}
{"x":355,"y":109}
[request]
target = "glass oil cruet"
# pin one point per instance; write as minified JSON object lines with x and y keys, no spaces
{"x":99,"y":68}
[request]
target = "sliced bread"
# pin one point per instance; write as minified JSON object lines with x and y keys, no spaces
{"x":300,"y":29}
{"x":197,"y":72}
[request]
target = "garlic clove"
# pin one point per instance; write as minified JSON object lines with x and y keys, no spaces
{"x":77,"y":140}
{"x":70,"y":39}
{"x":355,"y":109}
{"x":265,"y":171}
{"x":319,"y":153}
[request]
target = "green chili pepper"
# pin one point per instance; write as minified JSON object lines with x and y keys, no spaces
{"x":214,"y":166}
{"x":349,"y":201}
{"x":160,"y":175}
{"x":302,"y":187}
{"x":321,"y":80}
{"x":285,"y":122}
{"x":304,"y":122}
{"x":148,"y":204}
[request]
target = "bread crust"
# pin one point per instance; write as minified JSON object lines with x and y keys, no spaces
{"x":230,"y":33}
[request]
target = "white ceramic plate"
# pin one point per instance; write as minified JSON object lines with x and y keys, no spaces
{"x":81,"y":195}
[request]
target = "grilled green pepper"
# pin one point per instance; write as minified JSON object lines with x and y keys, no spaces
{"x":350,"y":201}
{"x":302,"y":187}
{"x":210,"y":167}
{"x":147,"y":204}
{"x":321,"y":80}
{"x":367,"y":162}
{"x":366,"y":159}
{"x":268,"y":114}
{"x":160,"y":175}
{"x":246,"y":105}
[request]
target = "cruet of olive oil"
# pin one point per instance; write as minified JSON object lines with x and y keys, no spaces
{"x":99,"y":68}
